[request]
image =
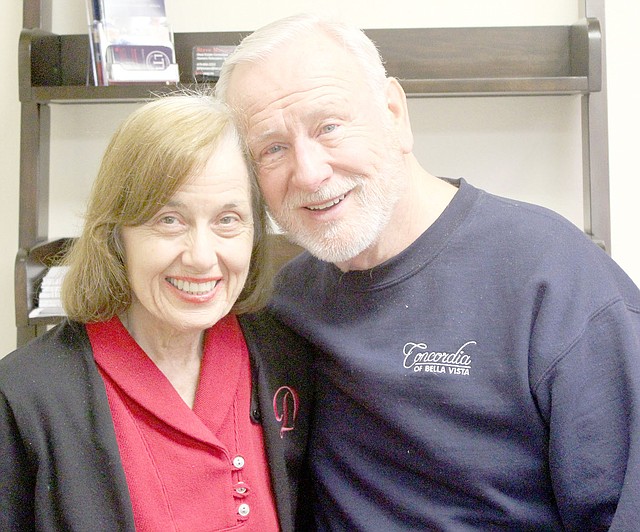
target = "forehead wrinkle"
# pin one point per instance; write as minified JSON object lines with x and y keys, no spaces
{"x":321,"y":106}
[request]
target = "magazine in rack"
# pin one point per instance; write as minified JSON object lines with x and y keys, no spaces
{"x":131,"y":42}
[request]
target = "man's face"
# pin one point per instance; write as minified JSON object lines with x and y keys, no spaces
{"x":329,"y":163}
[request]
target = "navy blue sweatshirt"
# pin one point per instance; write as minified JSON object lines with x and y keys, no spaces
{"x":487,"y":378}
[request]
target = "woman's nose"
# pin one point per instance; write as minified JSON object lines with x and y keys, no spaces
{"x":200,"y":252}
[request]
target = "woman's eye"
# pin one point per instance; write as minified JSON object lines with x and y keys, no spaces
{"x":329,"y":128}
{"x":233,"y":224}
{"x":228,"y":220}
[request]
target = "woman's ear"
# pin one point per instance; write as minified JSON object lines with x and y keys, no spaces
{"x":399,"y":112}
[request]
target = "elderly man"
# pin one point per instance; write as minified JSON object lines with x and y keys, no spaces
{"x":481,"y":357}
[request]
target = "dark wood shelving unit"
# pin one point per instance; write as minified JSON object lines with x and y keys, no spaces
{"x":429,"y":62}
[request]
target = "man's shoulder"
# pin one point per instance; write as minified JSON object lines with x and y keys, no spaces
{"x":523,"y":215}
{"x":514,"y":226}
{"x":543,"y":248}
{"x":266,"y":333}
{"x":301,"y":274}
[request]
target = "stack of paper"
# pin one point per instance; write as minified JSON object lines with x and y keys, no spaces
{"x":49,"y":303}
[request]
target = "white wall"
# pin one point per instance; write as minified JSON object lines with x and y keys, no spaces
{"x":10,"y":24}
{"x":528,"y":148}
{"x":623,"y":51}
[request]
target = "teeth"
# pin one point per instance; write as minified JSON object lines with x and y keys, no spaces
{"x":327,"y":205}
{"x":193,"y":288}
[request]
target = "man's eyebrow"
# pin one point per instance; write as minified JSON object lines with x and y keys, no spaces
{"x":316,"y":114}
{"x":260,"y":138}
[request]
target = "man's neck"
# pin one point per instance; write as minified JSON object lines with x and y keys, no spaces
{"x":419,"y":207}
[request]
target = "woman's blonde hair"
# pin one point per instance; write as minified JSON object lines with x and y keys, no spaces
{"x":154,"y":152}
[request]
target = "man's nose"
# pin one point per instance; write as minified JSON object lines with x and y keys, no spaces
{"x":312,"y":166}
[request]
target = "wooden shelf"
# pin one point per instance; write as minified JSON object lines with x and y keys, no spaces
{"x":427,"y":61}
{"x":494,"y":61}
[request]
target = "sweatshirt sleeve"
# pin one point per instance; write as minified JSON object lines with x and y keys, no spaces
{"x":590,"y":398}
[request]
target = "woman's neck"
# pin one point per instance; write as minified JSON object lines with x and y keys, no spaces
{"x":177,"y":355}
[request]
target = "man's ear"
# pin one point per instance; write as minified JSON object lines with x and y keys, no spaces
{"x":399,"y":112}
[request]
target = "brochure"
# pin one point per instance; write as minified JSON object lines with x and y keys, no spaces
{"x":131,"y":42}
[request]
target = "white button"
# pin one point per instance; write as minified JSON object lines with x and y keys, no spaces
{"x":238,"y":462}
{"x":244,"y":510}
{"x":241,"y":489}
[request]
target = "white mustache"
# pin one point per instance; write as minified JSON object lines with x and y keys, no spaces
{"x":300,"y":199}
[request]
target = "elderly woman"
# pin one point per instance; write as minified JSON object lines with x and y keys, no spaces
{"x":165,"y":401}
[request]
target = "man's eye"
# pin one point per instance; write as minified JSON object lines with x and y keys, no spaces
{"x":273,"y":149}
{"x":329,"y":128}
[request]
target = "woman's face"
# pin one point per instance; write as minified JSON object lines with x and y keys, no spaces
{"x":188,"y":264}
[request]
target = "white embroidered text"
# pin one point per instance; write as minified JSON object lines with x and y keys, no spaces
{"x":418,"y":357}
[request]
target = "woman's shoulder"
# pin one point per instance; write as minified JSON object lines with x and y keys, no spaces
{"x":56,"y":356}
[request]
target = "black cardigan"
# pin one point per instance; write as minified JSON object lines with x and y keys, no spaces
{"x":60,"y":467}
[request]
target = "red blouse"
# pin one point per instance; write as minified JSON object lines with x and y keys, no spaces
{"x":200,"y":469}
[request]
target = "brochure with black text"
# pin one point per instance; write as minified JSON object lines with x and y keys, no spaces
{"x":131,"y":42}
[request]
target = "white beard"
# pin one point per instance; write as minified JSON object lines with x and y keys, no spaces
{"x":373,"y":201}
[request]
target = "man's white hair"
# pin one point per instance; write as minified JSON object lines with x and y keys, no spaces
{"x":259,"y":45}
